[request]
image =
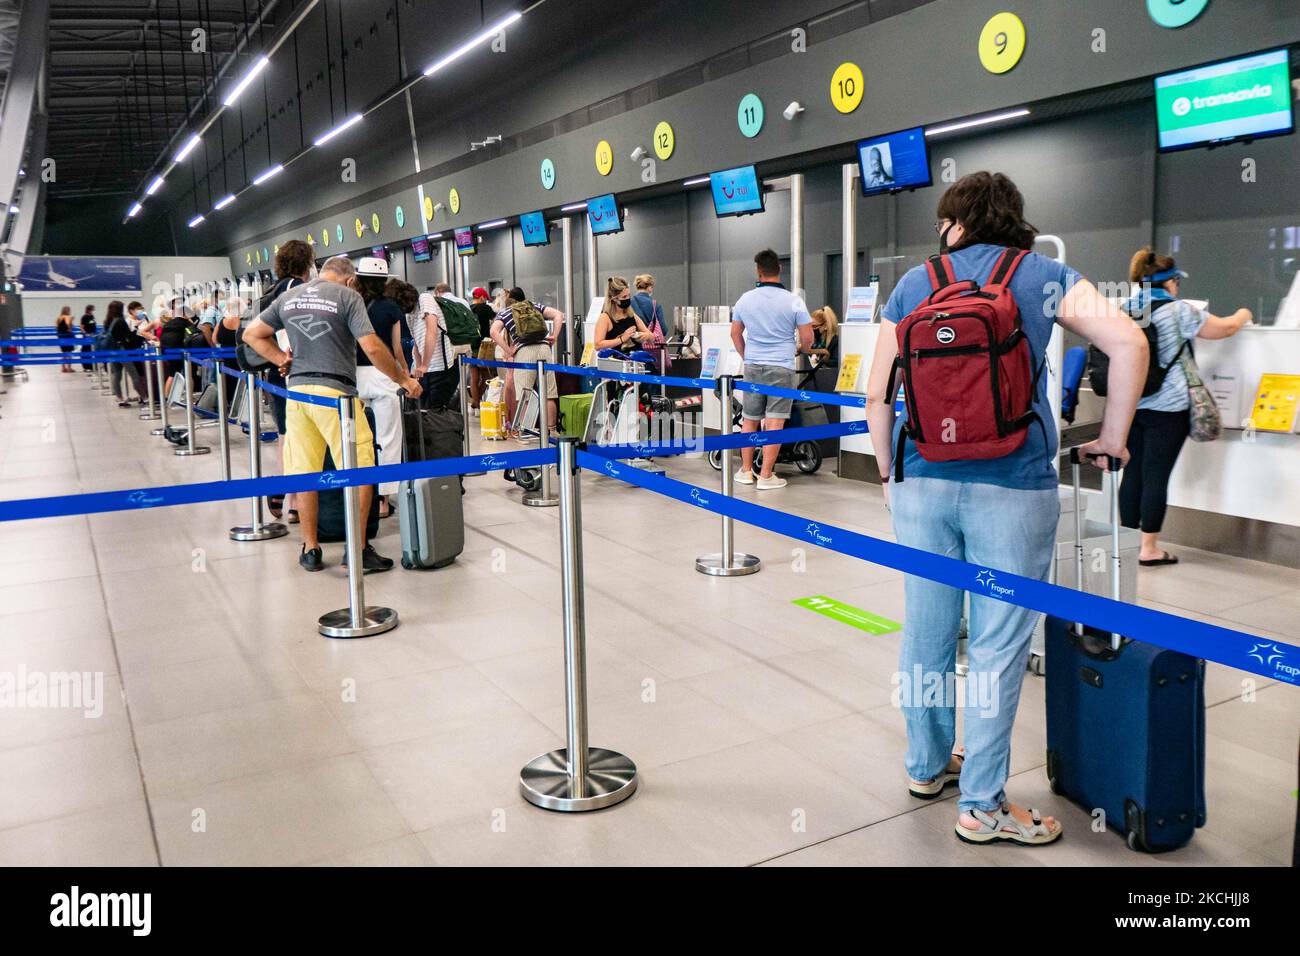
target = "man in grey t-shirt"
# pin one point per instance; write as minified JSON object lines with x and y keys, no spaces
{"x":325,"y":319}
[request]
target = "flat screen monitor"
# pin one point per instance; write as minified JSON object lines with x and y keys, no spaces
{"x":894,"y":162}
{"x":603,"y":213}
{"x":379,"y":252}
{"x":466,"y":242}
{"x":1241,"y":99}
{"x":736,"y":192}
{"x":533,"y":227}
{"x":420,"y":250}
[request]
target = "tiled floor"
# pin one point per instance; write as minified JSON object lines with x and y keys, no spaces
{"x":231,"y":733}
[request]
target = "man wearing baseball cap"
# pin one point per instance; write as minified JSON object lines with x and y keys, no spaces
{"x":325,"y":319}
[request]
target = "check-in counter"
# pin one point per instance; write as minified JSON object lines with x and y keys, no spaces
{"x":1247,"y":473}
{"x":857,"y":338}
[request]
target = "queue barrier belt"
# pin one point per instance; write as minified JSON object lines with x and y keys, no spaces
{"x":1273,"y":659}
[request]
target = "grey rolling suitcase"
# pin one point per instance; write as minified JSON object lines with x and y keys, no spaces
{"x":431,"y":516}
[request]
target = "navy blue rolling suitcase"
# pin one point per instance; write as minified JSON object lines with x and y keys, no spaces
{"x":1125,"y":721}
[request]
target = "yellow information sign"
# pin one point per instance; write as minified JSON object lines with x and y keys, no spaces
{"x":453,"y":199}
{"x":374,"y":222}
{"x":665,"y":140}
{"x":1276,"y":403}
{"x":604,"y":157}
{"x":428,"y":209}
{"x":325,"y":235}
{"x":588,"y":353}
{"x":847,"y":87}
{"x":1002,"y":42}
{"x":850,"y":366}
{"x":360,"y":227}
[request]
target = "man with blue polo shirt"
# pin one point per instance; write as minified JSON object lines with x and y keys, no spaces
{"x":768,"y":324}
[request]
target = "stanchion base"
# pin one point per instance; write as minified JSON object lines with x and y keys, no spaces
{"x":741,"y":564}
{"x":376,"y":620}
{"x":196,"y":450}
{"x":535,"y":499}
{"x":150,"y":417}
{"x":158,"y":432}
{"x":264,"y":533}
{"x":611,"y":779}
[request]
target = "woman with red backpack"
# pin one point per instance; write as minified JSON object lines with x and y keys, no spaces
{"x":968,"y":473}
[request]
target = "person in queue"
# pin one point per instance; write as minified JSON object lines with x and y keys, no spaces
{"x":997,"y":513}
{"x":503,"y":333}
{"x":443,"y":291}
{"x":88,"y":328}
{"x":768,"y":324}
{"x":486,"y":351}
{"x":325,"y":320}
{"x":434,"y":358}
{"x":375,"y":388}
{"x":63,"y":329}
{"x":227,"y":337}
{"x":294,"y":263}
{"x":651,"y":313}
{"x":619,"y":326}
{"x":123,"y":337}
{"x":1161,"y":424}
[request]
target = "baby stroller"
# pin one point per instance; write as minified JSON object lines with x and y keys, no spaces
{"x":804,"y":455}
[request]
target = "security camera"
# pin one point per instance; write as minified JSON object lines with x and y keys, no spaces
{"x":637,"y":154}
{"x":793,"y":110}
{"x":438,"y":207}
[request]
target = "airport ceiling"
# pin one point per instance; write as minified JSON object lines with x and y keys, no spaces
{"x":123,"y":78}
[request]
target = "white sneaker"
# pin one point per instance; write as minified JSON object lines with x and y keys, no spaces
{"x":767,"y":484}
{"x":745,"y":477}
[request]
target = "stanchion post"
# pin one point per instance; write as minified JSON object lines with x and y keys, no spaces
{"x":579,"y":777}
{"x":163,"y":401}
{"x":543,"y":497}
{"x":151,"y":413}
{"x":190,"y":448}
{"x":224,"y":419}
{"x":728,"y":563}
{"x":355,"y":620}
{"x":464,"y":413}
{"x":255,"y":530}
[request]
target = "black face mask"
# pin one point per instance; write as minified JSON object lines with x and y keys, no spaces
{"x":625,"y":303}
{"x":944,"y":248}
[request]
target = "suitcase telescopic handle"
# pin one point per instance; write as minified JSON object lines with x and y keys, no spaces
{"x":1115,"y":467}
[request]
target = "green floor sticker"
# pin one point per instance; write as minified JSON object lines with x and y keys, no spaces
{"x":848,"y":614}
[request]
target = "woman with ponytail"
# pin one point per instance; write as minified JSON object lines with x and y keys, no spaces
{"x":1161,"y":424}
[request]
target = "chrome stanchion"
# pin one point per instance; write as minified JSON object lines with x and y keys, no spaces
{"x":151,"y":413}
{"x":729,"y":563}
{"x":355,"y":620}
{"x":464,"y":415}
{"x":543,"y":497}
{"x":579,"y":777}
{"x":163,"y":397}
{"x":256,"y":530}
{"x":190,"y":448}
{"x":223,"y":418}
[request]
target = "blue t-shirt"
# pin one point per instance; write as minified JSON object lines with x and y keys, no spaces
{"x":1038,"y":287}
{"x":1175,"y":323}
{"x":771,"y":316}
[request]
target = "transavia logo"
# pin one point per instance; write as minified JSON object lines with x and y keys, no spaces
{"x":1182,"y":106}
{"x":945,"y":335}
{"x":311,"y":326}
{"x":1268,"y":654}
{"x":698,"y":497}
{"x":331,"y":480}
{"x":143,"y":499}
{"x":130,"y":910}
{"x":492,"y":461}
{"x":814,"y":532}
{"x":988,"y":581}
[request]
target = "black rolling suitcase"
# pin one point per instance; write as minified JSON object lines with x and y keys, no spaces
{"x":1125,"y":721}
{"x":430,"y":509}
{"x":330,"y":524}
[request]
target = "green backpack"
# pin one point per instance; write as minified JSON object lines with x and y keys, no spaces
{"x":462,"y":324}
{"x":530,"y":325}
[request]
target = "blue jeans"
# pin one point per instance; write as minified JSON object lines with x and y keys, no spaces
{"x":1003,"y":529}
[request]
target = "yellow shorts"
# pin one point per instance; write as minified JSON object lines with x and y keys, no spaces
{"x":310,"y":429}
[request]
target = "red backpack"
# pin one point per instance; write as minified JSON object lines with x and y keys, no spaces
{"x":966,"y":367}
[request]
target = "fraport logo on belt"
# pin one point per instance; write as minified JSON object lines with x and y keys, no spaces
{"x":331,"y":480}
{"x":698,"y":498}
{"x":491,"y":461}
{"x":815,"y":532}
{"x":988,"y":581}
{"x":756,"y":438}
{"x":143,"y":499}
{"x":1272,"y":654}
{"x":611,"y":468}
